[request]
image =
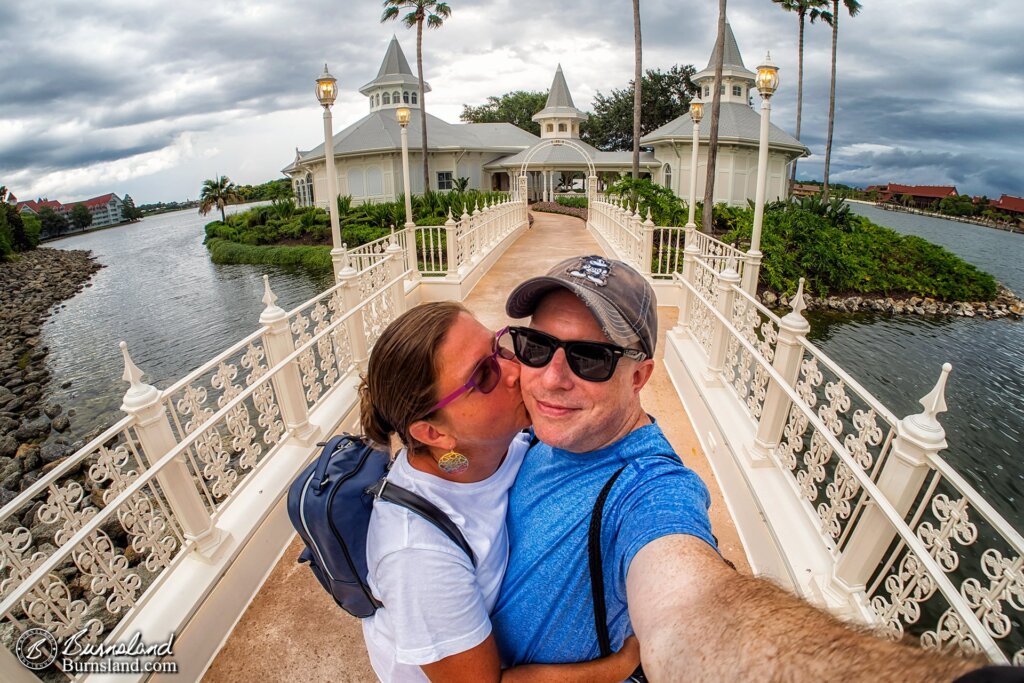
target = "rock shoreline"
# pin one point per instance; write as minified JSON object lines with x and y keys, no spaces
{"x":1005,"y":305}
{"x":33,"y":286}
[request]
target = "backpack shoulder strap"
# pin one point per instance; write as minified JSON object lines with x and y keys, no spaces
{"x":597,"y":568}
{"x":424,"y":508}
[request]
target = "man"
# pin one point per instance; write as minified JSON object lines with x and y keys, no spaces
{"x":585,"y":357}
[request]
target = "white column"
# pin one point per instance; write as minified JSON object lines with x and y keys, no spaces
{"x":278,"y":343}
{"x":332,"y":192}
{"x":410,"y":225}
{"x":452,"y":229}
{"x":693,"y":178}
{"x":918,"y":439}
{"x":143,"y":401}
{"x":753,"y":265}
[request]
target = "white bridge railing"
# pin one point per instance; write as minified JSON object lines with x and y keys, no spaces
{"x":908,"y":544}
{"x":93,"y":540}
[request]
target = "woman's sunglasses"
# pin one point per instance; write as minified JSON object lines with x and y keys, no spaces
{"x":485,"y":374}
{"x":592,"y":361}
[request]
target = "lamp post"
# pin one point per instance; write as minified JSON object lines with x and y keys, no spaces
{"x":403,"y":114}
{"x":767,"y":83}
{"x":326,"y":93}
{"x":696,"y":113}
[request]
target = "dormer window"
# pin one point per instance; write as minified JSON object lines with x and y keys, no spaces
{"x":414,"y":95}
{"x":737,"y":91}
{"x":562,"y":128}
{"x":405,"y":97}
{"x":387,"y":98}
{"x":396,"y":97}
{"x":551,"y":128}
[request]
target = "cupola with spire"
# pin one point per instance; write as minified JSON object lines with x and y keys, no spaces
{"x":395,"y":85}
{"x":559,"y":118}
{"x":737,"y":80}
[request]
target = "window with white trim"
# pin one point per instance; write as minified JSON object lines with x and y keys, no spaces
{"x":414,"y":97}
{"x":737,"y":91}
{"x":387,"y":98}
{"x":405,"y":97}
{"x":444,"y":180}
{"x":562,"y":128}
{"x":667,"y":171}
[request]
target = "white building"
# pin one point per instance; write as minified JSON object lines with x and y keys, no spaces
{"x":738,"y":137}
{"x":368,"y":153}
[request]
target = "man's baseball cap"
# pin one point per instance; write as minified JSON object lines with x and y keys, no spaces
{"x":621,"y":299}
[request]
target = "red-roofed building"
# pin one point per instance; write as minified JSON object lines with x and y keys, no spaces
{"x":106,"y":209}
{"x":33,"y":206}
{"x":922,"y":196}
{"x":1014,"y":205}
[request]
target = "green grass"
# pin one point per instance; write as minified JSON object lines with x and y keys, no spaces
{"x":315,"y":259}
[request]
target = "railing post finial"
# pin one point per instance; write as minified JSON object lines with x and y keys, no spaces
{"x":269,"y":298}
{"x":934,"y":403}
{"x":798,"y":303}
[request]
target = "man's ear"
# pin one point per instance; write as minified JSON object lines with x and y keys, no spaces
{"x":429,"y":434}
{"x":642,"y":374}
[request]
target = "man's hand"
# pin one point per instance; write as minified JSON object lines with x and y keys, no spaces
{"x":698,"y":620}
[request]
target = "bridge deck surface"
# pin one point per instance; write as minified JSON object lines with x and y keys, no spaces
{"x":294,"y":631}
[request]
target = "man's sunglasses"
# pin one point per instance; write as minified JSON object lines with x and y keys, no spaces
{"x":592,"y":361}
{"x":485,"y":374}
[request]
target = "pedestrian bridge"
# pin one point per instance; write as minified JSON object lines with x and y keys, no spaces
{"x":173,"y":520}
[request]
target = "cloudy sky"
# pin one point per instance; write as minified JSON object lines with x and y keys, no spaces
{"x":151,"y":98}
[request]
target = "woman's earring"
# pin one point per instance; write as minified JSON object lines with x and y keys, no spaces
{"x":453,"y":463}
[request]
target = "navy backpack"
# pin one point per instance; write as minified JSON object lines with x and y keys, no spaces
{"x":329,"y":504}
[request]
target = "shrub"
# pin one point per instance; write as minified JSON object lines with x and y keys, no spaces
{"x":853,"y":255}
{"x":314,"y":259}
{"x":572,"y":202}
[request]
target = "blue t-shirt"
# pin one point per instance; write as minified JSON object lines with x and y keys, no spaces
{"x":545,"y":610}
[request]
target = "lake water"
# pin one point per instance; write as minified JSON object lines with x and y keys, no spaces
{"x":160,"y":293}
{"x":899,"y":360}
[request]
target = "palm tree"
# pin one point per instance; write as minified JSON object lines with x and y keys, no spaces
{"x":218,"y":193}
{"x":432,"y":13}
{"x":805,"y":9}
{"x":637,"y":87}
{"x":832,"y":19}
{"x":716,"y":109}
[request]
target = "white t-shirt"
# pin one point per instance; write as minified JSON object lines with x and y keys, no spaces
{"x":436,"y":604}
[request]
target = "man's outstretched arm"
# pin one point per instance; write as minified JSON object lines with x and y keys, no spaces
{"x":698,"y":620}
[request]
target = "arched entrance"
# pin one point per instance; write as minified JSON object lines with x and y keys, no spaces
{"x":557,"y":142}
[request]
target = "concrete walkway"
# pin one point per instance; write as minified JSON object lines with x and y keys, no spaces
{"x":294,"y":631}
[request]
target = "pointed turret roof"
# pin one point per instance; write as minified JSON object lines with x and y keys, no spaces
{"x":394,"y":70}
{"x":559,"y":95}
{"x":394,"y":61}
{"x":559,"y":100}
{"x":732,"y":63}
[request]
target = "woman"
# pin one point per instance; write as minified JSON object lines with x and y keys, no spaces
{"x":448,"y":388}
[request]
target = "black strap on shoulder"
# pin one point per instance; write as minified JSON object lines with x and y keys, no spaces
{"x":425,"y":509}
{"x":596,"y":568}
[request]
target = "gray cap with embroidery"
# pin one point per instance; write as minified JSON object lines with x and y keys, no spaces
{"x":621,"y":299}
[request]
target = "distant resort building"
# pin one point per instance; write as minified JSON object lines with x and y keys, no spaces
{"x":1011,"y":205}
{"x":921,"y":196}
{"x":107,"y":209}
{"x":368,"y":153}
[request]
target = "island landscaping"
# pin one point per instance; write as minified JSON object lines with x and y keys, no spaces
{"x":849,"y":263}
